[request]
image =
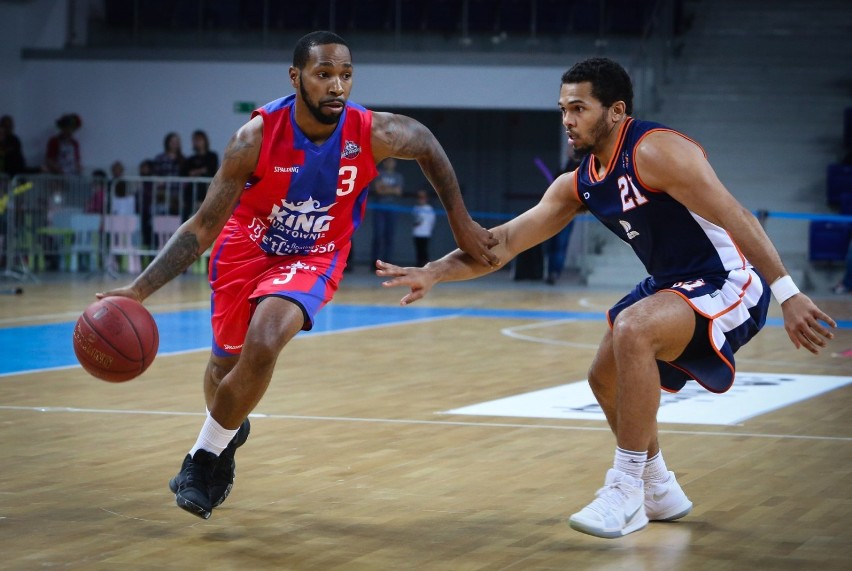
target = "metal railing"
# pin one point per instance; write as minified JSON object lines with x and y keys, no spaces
{"x":89,"y":224}
{"x":74,"y":223}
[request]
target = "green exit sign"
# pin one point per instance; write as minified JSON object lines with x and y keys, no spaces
{"x":244,"y":106}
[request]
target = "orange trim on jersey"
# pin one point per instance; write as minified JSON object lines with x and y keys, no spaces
{"x":699,"y":381}
{"x":687,"y":300}
{"x":577,"y":186}
{"x":740,"y":252}
{"x":622,"y":134}
{"x":633,"y":155}
{"x":721,"y":313}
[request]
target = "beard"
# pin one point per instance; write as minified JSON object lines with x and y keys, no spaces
{"x":598,"y":132}
{"x":316,"y":110}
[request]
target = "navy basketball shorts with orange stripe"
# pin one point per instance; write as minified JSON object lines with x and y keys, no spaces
{"x":241,"y":274}
{"x":729,"y":310}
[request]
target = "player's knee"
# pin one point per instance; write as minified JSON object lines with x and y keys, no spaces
{"x":627,"y":330}
{"x":261,"y":353}
{"x":217,"y":369}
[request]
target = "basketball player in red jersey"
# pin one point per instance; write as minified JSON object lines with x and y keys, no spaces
{"x":282,"y":208}
{"x":709,"y":263}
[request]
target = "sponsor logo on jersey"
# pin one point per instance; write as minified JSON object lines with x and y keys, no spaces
{"x":627,"y":229}
{"x":350,"y":150}
{"x":285,"y":169}
{"x":295,"y":227}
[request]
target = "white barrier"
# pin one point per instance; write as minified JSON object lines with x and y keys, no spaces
{"x":50,"y":223}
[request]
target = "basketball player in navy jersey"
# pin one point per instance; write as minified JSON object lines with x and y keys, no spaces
{"x":282,"y":208}
{"x":709,"y":263}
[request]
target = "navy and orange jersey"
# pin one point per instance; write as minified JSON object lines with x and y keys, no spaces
{"x":673,"y":243}
{"x":304,"y":198}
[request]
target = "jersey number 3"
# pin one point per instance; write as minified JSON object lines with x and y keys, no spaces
{"x":630,"y":195}
{"x":347,"y":176}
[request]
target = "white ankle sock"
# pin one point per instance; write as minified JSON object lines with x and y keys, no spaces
{"x":212,"y":437}
{"x":655,"y":469}
{"x":630,"y":462}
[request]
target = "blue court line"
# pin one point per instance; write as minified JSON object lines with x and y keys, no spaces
{"x":49,"y":346}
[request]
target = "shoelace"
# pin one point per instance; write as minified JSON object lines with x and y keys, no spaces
{"x":197,"y":473}
{"x":608,"y":498}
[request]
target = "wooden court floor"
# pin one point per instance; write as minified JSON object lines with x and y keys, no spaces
{"x":350,"y":464}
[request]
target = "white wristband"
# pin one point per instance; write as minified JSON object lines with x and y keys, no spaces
{"x":783,"y":289}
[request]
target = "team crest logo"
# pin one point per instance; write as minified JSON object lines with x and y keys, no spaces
{"x":350,"y":150}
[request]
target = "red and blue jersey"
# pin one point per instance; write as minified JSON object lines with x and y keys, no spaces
{"x":305,"y":198}
{"x":673,"y":243}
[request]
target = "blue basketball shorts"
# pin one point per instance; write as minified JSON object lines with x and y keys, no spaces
{"x":729,"y":310}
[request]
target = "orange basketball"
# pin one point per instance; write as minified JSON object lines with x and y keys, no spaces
{"x":116,"y":339}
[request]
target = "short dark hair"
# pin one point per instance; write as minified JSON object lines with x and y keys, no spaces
{"x":610,"y":82}
{"x":167,"y":139}
{"x":302,"y":51}
{"x":203,"y":135}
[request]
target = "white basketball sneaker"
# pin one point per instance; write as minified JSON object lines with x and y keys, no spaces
{"x":618,"y":509}
{"x":666,"y":501}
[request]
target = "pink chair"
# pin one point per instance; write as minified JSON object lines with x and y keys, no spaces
{"x":164,"y":228}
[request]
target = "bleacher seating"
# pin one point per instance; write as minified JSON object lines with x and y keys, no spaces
{"x":487,"y":17}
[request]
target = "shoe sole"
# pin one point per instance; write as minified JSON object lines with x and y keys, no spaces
{"x":192,"y":507}
{"x":224,"y":496}
{"x":682,"y":511}
{"x":597,"y":532}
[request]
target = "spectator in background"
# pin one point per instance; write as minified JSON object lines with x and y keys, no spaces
{"x":145,"y":192}
{"x":202,"y":163}
{"x":11,"y":156}
{"x":99,"y":191}
{"x":121,"y":201}
{"x":168,"y":163}
{"x":387,"y":188}
{"x":63,"y":150}
{"x":424,"y":224}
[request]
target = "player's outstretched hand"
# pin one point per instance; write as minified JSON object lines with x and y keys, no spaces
{"x":419,"y":280}
{"x":126,"y":291}
{"x":477,"y":242}
{"x":802,"y":321}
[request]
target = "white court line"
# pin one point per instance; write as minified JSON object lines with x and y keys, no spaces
{"x":61,"y":409}
{"x":75,"y":314}
{"x":587,"y":303}
{"x":207,"y":347}
{"x":513,"y":333}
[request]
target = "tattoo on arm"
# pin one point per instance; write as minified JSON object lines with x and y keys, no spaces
{"x":240,"y":158}
{"x":196,"y":235}
{"x":406,"y":138}
{"x":178,"y":254}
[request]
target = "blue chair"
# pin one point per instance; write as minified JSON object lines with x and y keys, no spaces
{"x":828,"y":241}
{"x":838,"y":181}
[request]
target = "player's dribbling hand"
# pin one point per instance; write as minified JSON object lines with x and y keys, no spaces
{"x":477,"y":242}
{"x":802,"y":321}
{"x":122,"y":292}
{"x":419,"y":280}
